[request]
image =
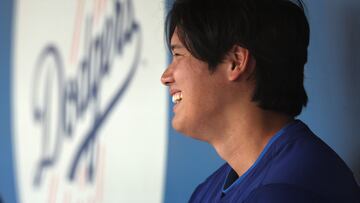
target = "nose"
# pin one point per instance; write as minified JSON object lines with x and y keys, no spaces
{"x":167,"y":77}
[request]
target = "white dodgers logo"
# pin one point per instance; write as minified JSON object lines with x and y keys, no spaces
{"x":89,"y":114}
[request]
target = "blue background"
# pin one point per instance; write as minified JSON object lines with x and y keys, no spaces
{"x":7,"y":178}
{"x":332,"y":82}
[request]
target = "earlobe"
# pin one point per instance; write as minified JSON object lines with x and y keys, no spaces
{"x":239,"y":57}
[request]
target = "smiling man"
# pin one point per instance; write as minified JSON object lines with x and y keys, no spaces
{"x":236,"y":79}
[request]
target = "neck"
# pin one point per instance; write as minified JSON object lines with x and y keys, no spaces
{"x":246,"y":135}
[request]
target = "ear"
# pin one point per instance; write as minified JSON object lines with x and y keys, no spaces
{"x":239,"y":59}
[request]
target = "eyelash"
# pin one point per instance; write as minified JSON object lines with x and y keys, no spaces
{"x":177,"y":54}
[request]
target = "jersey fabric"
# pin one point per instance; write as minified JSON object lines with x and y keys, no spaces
{"x":295,"y":166}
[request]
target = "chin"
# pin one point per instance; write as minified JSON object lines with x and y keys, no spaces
{"x":177,"y":126}
{"x":182,"y":127}
{"x":185,"y":130}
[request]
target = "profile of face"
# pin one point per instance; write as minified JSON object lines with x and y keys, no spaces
{"x":198,"y":94}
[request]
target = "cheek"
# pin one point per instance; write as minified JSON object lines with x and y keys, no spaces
{"x":211,"y":100}
{"x":203,"y":100}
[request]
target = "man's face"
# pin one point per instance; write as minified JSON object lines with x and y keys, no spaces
{"x":197,"y":93}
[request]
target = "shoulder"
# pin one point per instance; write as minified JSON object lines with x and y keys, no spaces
{"x":282,"y":193}
{"x":303,"y":153}
{"x":305,"y":161}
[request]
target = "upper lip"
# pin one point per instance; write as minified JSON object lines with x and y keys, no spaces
{"x":174,"y":91}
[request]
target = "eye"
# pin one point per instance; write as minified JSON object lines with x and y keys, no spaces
{"x":176,"y":54}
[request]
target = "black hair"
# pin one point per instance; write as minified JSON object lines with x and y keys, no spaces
{"x":276,"y":33}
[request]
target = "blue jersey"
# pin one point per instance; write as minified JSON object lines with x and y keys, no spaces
{"x":295,"y":166}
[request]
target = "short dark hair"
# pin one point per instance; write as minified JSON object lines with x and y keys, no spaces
{"x":276,"y":33}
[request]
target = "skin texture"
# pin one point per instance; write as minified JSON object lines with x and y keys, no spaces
{"x":202,"y":99}
{"x":216,"y":107}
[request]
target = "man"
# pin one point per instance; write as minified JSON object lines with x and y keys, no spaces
{"x":236,"y":79}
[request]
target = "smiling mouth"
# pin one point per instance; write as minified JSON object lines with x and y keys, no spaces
{"x":177,"y":97}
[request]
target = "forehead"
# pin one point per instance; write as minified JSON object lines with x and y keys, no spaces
{"x":175,"y":42}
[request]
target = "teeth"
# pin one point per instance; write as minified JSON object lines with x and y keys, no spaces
{"x":176,"y":98}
